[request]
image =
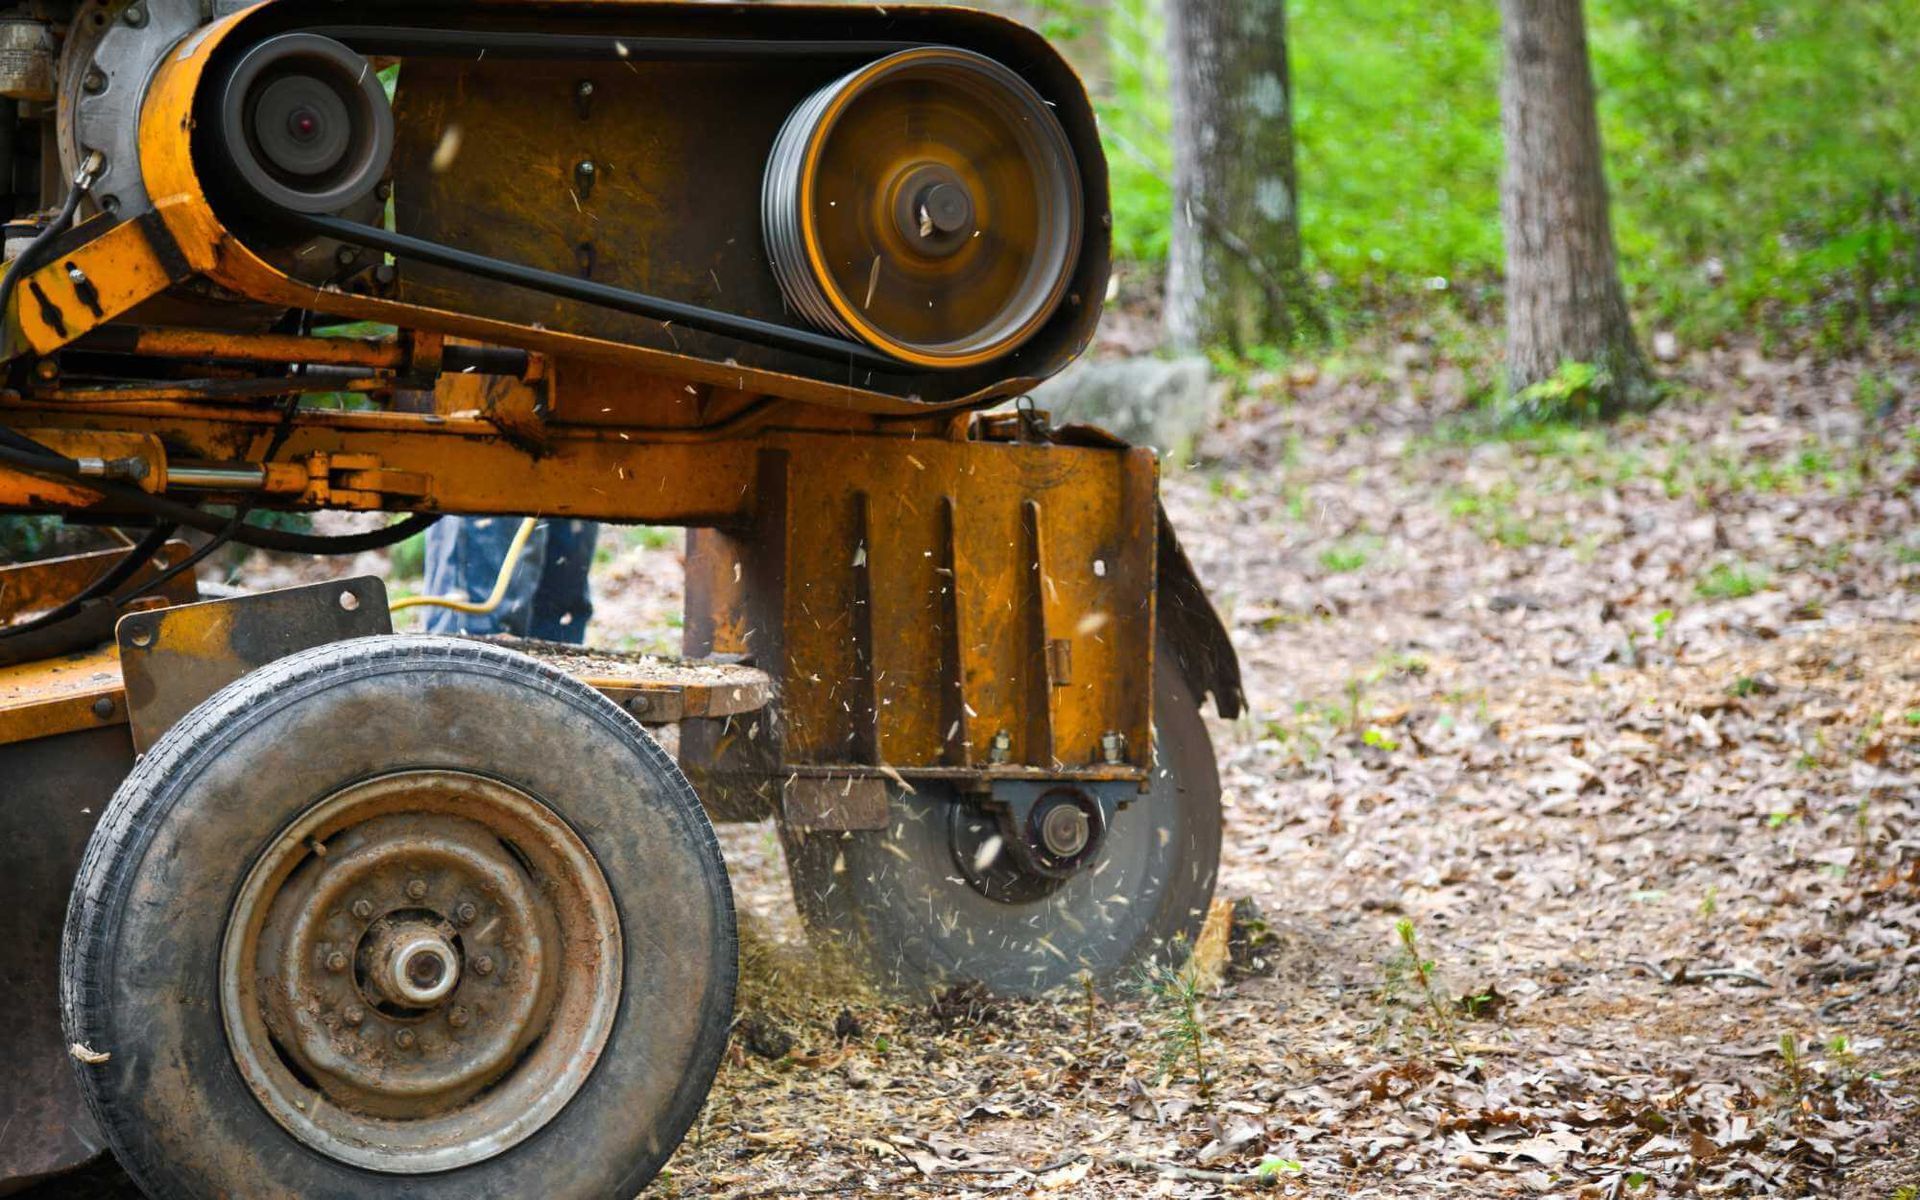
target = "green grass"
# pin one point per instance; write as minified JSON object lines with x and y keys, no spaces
{"x":1732,"y":581}
{"x":1344,"y":558}
{"x":1761,"y":155}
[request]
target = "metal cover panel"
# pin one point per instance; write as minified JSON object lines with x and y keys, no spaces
{"x":174,"y":658}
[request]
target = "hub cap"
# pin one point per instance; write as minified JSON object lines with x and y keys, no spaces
{"x":421,"y":972}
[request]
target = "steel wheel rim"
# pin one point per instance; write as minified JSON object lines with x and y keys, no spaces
{"x":839,"y":188}
{"x":335,"y":1014}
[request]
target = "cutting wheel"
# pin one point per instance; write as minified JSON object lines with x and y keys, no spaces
{"x":927,"y":204}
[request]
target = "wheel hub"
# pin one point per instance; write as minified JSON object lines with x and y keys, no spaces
{"x":433,"y":949}
{"x":1030,"y":838}
{"x":412,"y":964}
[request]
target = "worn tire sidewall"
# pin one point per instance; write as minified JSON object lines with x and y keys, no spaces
{"x":141,"y":971}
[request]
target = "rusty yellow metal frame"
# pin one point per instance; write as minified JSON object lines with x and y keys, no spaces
{"x":96,"y":283}
{"x":931,"y":592}
{"x":212,"y":251}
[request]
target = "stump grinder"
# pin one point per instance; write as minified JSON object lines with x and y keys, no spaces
{"x":296,"y":906}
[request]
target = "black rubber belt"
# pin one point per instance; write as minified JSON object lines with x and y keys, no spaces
{"x":567,"y":287}
{"x":374,"y":39}
{"x":451,"y":43}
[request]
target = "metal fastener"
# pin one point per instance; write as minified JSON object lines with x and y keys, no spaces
{"x":136,"y":16}
{"x":639,"y":703}
{"x":95,"y":82}
{"x":458,"y":1017}
{"x":466,"y":913}
{"x":403,"y":1038}
{"x":363,"y":909}
{"x":336,"y":962}
{"x":103,"y":707}
{"x":353,"y":1014}
{"x":483,"y":965}
{"x":46,"y":370}
{"x":416,"y":889}
{"x":1113,"y":746}
{"x":1001,"y":749}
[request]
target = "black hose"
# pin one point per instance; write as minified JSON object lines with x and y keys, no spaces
{"x":28,"y":258}
{"x":123,"y":569}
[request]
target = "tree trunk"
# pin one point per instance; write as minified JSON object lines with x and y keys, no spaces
{"x":1235,"y":277}
{"x":1564,"y":301}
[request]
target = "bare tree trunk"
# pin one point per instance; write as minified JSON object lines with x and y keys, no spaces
{"x":1235,"y":277}
{"x":1564,"y":301}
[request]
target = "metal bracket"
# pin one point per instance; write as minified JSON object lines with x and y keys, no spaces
{"x":174,"y":658}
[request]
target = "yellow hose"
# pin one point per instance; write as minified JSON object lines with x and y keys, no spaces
{"x":499,"y":595}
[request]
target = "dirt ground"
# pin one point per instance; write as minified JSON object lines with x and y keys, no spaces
{"x":1578,"y":808}
{"x":1621,"y":727}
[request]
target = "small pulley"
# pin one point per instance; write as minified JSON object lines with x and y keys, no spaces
{"x":927,"y":204}
{"x":305,"y":124}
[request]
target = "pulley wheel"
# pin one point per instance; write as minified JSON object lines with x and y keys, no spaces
{"x":305,"y":123}
{"x":928,"y":205}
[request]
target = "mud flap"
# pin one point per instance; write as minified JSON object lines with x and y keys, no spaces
{"x":1193,"y":630}
{"x":51,"y":792}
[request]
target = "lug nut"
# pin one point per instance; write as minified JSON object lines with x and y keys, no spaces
{"x":466,"y":913}
{"x":484,"y":964}
{"x":458,"y":1017}
{"x":403,"y":1038}
{"x":353,"y":1014}
{"x":363,"y":909}
{"x":336,"y":962}
{"x":416,"y":889}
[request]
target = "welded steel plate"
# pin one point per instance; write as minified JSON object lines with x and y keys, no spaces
{"x":174,"y":658}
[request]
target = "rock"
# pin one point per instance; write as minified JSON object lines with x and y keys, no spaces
{"x":1162,"y":403}
{"x":763,"y":1036}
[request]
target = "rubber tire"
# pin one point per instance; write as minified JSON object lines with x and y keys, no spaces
{"x":141,"y":957}
{"x":895,"y":900}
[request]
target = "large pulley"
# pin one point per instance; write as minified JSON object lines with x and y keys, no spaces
{"x":927,"y":204}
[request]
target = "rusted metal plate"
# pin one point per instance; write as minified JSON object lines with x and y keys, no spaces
{"x":175,"y":658}
{"x":60,"y":695}
{"x":657,"y":691}
{"x":835,"y":804}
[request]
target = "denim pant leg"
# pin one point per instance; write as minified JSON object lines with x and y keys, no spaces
{"x":563,"y":602}
{"x":464,"y":555}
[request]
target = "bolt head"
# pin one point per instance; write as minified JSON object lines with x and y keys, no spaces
{"x":466,"y":913}
{"x":95,"y":82}
{"x":353,"y":1014}
{"x":586,"y":87}
{"x":484,"y":964}
{"x":416,"y":889}
{"x":458,"y":1017}
{"x":46,"y":368}
{"x":363,"y":909}
{"x":403,"y":1038}
{"x":336,"y":962}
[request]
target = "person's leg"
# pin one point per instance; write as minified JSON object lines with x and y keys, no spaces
{"x":563,"y":603}
{"x":464,"y":555}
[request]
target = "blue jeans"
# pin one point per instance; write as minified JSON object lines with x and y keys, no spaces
{"x":548,"y":597}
